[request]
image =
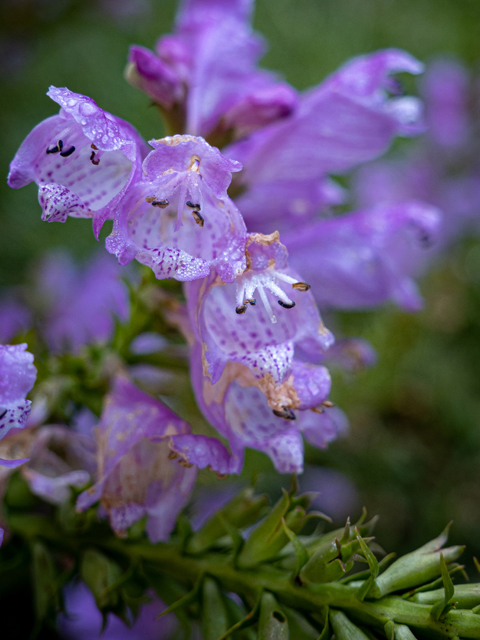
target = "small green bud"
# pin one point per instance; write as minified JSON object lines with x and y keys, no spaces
{"x":344,"y":629}
{"x":273,"y":623}
{"x":214,"y":615}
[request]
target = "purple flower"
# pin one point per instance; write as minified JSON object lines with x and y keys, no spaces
{"x":365,"y":258}
{"x":348,"y":119}
{"x":83,"y":621}
{"x":17,"y":377}
{"x":82,"y":159}
{"x":14,"y":318}
{"x":442,"y":167}
{"x":139,"y":440}
{"x":56,"y":459}
{"x":208,"y":70}
{"x":178,"y":219}
{"x":81,"y":303}
{"x":247,"y":375}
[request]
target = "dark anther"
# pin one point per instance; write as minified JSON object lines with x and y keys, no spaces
{"x":185,"y":464}
{"x":173,"y":455}
{"x":317,"y":410}
{"x":301,"y":286}
{"x":68,"y":152}
{"x":92,"y":146}
{"x":93,"y":160}
{"x":198,"y":218}
{"x":252,"y":301}
{"x":157,"y":203}
{"x":241,"y":309}
{"x":4,"y":413}
{"x":285,"y":305}
{"x":192,"y":205}
{"x":286,"y":413}
{"x":55,"y":148}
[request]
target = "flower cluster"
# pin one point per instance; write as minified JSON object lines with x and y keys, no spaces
{"x":212,"y":219}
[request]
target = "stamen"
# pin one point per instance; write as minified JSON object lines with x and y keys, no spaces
{"x":328,"y":403}
{"x":185,"y":464}
{"x":55,"y":148}
{"x":286,"y":413}
{"x":317,"y":410}
{"x":172,"y":455}
{"x":68,"y":152}
{"x":198,"y":218}
{"x":301,"y":286}
{"x":252,"y":301}
{"x":241,"y":309}
{"x":92,"y":146}
{"x":157,"y":203}
{"x":93,"y":160}
{"x":4,"y":413}
{"x":192,"y":206}
{"x":286,"y":305}
{"x":267,"y":304}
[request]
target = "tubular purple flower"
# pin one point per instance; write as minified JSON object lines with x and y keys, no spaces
{"x":208,"y":68}
{"x":137,"y":471}
{"x":178,"y":219}
{"x":260,"y":338}
{"x":17,"y":377}
{"x":365,"y":258}
{"x":82,"y":159}
{"x":347,"y":120}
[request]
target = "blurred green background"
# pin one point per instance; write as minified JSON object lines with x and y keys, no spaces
{"x":413,"y":453}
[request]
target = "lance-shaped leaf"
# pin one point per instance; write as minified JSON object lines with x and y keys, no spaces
{"x":301,"y":554}
{"x":467,"y":596}
{"x":372,"y":565}
{"x":270,"y":531}
{"x":402,"y":632}
{"x":442,"y":607}
{"x":241,"y":511}
{"x":273,"y":623}
{"x":214,"y":614}
{"x":415,"y":568}
{"x":344,"y":629}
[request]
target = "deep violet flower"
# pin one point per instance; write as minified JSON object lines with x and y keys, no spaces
{"x":81,"y":304}
{"x":17,"y":377}
{"x":83,"y":621}
{"x":441,"y":168}
{"x":348,"y":119}
{"x":145,"y":461}
{"x":82,"y":159}
{"x":178,"y":219}
{"x":207,"y":70}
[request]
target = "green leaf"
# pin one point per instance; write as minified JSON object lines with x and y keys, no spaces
{"x":245,"y":622}
{"x":344,"y":629}
{"x":300,"y":551}
{"x":440,"y":609}
{"x":186,"y":600}
{"x":273,"y":624}
{"x":402,"y":632}
{"x":43,"y":574}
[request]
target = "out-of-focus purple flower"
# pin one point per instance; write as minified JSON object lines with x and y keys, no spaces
{"x":208,"y":70}
{"x":56,"y":459}
{"x":351,"y":354}
{"x":139,"y":440}
{"x":81,"y":304}
{"x":337,"y":494}
{"x":366,"y":258}
{"x":14,"y":318}
{"x":442,"y":168}
{"x":178,"y":219}
{"x":83,"y":621}
{"x":17,"y":377}
{"x":82,"y":159}
{"x":348,"y":119}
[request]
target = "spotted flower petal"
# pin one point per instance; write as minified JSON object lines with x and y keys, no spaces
{"x":178,"y":219}
{"x":17,"y":377}
{"x":83,"y":160}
